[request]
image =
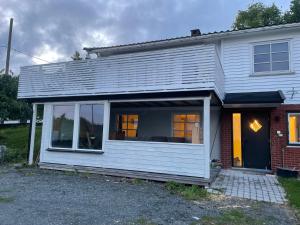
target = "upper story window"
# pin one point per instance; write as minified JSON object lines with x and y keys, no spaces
{"x":271,"y":57}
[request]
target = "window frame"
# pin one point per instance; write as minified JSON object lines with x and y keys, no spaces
{"x":288,"y":41}
{"x":187,"y":113}
{"x":288,"y":129}
{"x":76,"y":126}
{"x":127,"y":129}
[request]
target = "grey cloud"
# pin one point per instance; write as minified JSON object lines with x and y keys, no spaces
{"x":68,"y":25}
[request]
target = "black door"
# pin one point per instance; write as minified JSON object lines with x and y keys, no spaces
{"x":255,"y":139}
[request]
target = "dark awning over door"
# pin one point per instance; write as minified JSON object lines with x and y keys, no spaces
{"x":253,"y":99}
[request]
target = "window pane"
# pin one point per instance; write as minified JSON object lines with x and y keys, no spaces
{"x":91,"y":126}
{"x":178,"y":133}
{"x":282,"y":56}
{"x":124,"y":125}
{"x":131,"y":133}
{"x":263,"y":67}
{"x":179,"y":117}
{"x":262,"y":58}
{"x":178,"y":126}
{"x":258,"y":49}
{"x":132,"y":121}
{"x":62,"y":128}
{"x":294,"y":128}
{"x":278,"y":66}
{"x":193,"y":118}
{"x":280,"y":47}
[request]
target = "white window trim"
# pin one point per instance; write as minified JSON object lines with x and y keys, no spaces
{"x":77,"y":124}
{"x":277,"y":72}
{"x":292,"y":114}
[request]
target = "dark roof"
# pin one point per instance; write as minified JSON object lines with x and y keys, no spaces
{"x":203,"y":35}
{"x":254,"y":97}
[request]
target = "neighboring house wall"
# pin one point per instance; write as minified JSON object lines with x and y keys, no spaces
{"x":238,"y":66}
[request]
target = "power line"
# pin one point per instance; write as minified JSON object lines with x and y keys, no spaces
{"x":21,"y":52}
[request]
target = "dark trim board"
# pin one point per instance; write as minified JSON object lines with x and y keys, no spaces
{"x":132,"y":174}
{"x":177,"y":94}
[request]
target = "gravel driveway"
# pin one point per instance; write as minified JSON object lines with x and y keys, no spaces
{"x":35,"y":197}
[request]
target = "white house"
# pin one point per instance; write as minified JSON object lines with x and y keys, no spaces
{"x":165,"y":109}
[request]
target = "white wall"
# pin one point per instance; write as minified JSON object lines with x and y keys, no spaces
{"x":215,"y":133}
{"x":170,"y":158}
{"x":237,"y":65}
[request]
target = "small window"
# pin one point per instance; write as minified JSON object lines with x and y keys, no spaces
{"x":294,"y":128}
{"x":62,"y":127}
{"x":187,"y":127}
{"x":271,"y":57}
{"x":91,"y":126}
{"x":127,"y":125}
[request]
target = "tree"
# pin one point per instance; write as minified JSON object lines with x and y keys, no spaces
{"x":293,"y":16}
{"x":258,"y":15}
{"x":76,"y":56}
{"x":10,"y":107}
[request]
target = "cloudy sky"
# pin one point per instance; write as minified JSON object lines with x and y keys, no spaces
{"x":53,"y":29}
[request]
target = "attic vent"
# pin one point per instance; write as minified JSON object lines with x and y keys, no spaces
{"x":195,"y":32}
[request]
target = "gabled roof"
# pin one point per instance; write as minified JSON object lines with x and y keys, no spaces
{"x":187,"y":40}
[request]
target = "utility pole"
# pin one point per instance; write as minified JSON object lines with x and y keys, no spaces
{"x":9,"y":46}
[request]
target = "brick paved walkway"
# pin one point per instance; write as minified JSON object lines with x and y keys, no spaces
{"x":250,"y":185}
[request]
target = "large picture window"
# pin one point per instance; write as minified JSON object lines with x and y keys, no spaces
{"x":62,"y":127}
{"x":294,"y":128}
{"x":91,"y":126}
{"x":271,"y":57}
{"x":77,"y":126}
{"x":157,"y":121}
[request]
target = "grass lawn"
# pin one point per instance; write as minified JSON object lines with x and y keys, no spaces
{"x":193,"y":192}
{"x":16,"y":141}
{"x":292,"y":188}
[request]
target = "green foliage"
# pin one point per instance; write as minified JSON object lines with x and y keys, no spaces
{"x":189,"y":192}
{"x":76,"y":56}
{"x":10,"y":107}
{"x":258,"y":15}
{"x":6,"y":199}
{"x":232,"y":217}
{"x":292,"y":188}
{"x":16,"y":141}
{"x":293,"y":16}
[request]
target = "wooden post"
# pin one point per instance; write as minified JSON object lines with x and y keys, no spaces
{"x":8,"y":46}
{"x":32,"y":136}
{"x":106,"y":121}
{"x":206,"y":135}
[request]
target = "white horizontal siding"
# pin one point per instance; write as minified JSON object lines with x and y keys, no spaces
{"x":237,"y":65}
{"x":141,"y":156}
{"x":169,"y":158}
{"x":185,"y":68}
